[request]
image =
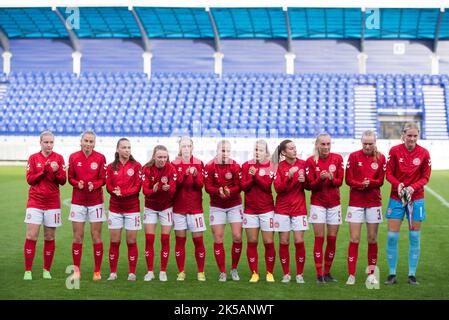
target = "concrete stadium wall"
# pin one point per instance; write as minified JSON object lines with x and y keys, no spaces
{"x":19,"y":148}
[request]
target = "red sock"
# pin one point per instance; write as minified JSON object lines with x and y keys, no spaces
{"x":330,"y":253}
{"x":165,"y":251}
{"x":149,"y":251}
{"x":270,"y":255}
{"x":200,"y":252}
{"x":300,"y":255}
{"x":220,"y":256}
{"x":372,"y":256}
{"x":318,"y":255}
{"x":284,"y":256}
{"x":98,"y":256}
{"x":114,"y":252}
{"x":353,"y":252}
{"x":252,"y":256}
{"x":77,"y":252}
{"x":49,"y":253}
{"x":236,"y":252}
{"x":29,"y":250}
{"x":180,"y":252}
{"x":132,"y":257}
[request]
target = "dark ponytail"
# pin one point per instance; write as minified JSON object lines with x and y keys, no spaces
{"x":277,"y":152}
{"x":117,"y":157}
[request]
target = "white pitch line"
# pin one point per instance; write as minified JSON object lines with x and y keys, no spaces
{"x":436,"y":195}
{"x":67,"y":202}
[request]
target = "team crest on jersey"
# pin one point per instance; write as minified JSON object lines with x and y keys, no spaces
{"x":262,"y":172}
{"x":317,"y":169}
{"x":228,"y":175}
{"x":39,"y":165}
{"x":332,"y":168}
{"x":54,"y":163}
{"x":152,"y":178}
{"x":164,"y":179}
{"x":401,"y":160}
{"x":216,"y":175}
{"x":360,"y":163}
{"x":417,"y":161}
{"x":130,"y":172}
{"x":94,"y":166}
{"x":374,"y":165}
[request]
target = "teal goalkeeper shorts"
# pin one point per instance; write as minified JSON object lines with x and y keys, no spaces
{"x":395,"y":210}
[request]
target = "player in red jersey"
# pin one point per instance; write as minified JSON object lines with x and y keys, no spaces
{"x":408,"y":171}
{"x":365,"y":173}
{"x":87,"y":175}
{"x":159,"y":187}
{"x":188,"y":207}
{"x":290,"y":210}
{"x":45,"y":173}
{"x":222,"y":182}
{"x":257,"y":177}
{"x":325,"y":176}
{"x":123,"y":182}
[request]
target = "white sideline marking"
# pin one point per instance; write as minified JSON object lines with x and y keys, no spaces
{"x":436,"y":195}
{"x":67,"y":202}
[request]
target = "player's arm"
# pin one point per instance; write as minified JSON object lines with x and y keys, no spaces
{"x":338,"y":177}
{"x":60,"y":174}
{"x":147,"y":186}
{"x":264,"y":182}
{"x":315,"y":183}
{"x":425,"y":174}
{"x":136,"y":183}
{"x":236,"y":187}
{"x":209,"y":181}
{"x":34,"y":175}
{"x":391,"y":171}
{"x":101,"y":181}
{"x":198,"y":179}
{"x":172,"y":182}
{"x":247,"y":179}
{"x":380,"y":174}
{"x":71,"y":173}
{"x":350,"y":174}
{"x":109,"y":180}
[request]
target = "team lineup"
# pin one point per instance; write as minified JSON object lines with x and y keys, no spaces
{"x":173,"y":192}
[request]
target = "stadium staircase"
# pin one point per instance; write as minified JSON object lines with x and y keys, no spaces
{"x":435,"y":113}
{"x":365,"y":109}
{"x":3,"y":88}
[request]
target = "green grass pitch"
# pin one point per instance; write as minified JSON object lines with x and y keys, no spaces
{"x":433,"y":271}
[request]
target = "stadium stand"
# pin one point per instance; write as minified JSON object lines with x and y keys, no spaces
{"x":131,"y":104}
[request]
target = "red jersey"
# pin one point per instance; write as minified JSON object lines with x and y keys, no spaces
{"x":257,"y":188}
{"x":159,"y":200}
{"x":290,"y":198}
{"x":227,"y":175}
{"x":44,"y":183}
{"x":128,"y":178}
{"x":412,"y":168}
{"x":189,"y":189}
{"x":90,"y":168}
{"x":325,"y":193}
{"x":359,"y":167}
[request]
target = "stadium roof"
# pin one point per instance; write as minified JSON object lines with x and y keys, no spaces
{"x":229,"y":3}
{"x":225,"y":19}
